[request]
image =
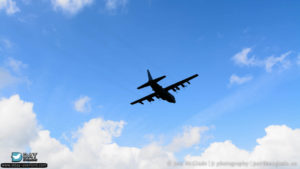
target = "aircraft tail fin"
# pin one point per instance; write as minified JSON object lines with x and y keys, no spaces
{"x":158,"y":79}
{"x":150,"y":80}
{"x":149,"y":75}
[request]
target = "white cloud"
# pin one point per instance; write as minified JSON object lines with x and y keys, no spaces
{"x":280,"y":144}
{"x":105,"y":130}
{"x":15,"y":65}
{"x":83,"y":104}
{"x":114,"y":4}
{"x":242,"y":58}
{"x":298,"y":60}
{"x":71,"y":6}
{"x":9,"y":6}
{"x":234,"y":79}
{"x":272,"y":61}
{"x":191,"y":136}
{"x":18,"y":125}
{"x":50,"y":150}
{"x":95,"y":147}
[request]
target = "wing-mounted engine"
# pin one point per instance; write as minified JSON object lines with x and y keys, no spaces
{"x":181,"y":83}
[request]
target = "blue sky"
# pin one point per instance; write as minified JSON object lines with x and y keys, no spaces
{"x":101,"y":52}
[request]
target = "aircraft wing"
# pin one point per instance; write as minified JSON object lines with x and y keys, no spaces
{"x":149,"y":98}
{"x":175,"y":86}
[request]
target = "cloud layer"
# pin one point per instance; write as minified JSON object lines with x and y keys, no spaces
{"x":95,"y":147}
{"x":280,"y":144}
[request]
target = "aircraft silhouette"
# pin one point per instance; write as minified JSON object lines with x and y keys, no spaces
{"x":160,"y":92}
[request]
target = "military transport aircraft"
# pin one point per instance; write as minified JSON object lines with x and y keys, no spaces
{"x":160,"y":92}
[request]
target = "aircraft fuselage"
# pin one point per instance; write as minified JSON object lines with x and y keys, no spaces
{"x":162,"y":93}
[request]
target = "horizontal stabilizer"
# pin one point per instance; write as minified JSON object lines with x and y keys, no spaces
{"x":159,"y":79}
{"x":144,"y":85}
{"x":151,"y":81}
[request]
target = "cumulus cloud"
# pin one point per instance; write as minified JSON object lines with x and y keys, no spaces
{"x":83,"y":104}
{"x":191,"y":136}
{"x":280,"y":144}
{"x":18,"y":125}
{"x":71,"y":6}
{"x":225,"y":151}
{"x":114,"y":4}
{"x":50,"y":150}
{"x":234,"y":79}
{"x":242,"y":59}
{"x":95,"y":148}
{"x":9,"y":6}
{"x":105,"y":130}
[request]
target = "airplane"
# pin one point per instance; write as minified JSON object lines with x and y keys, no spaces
{"x":159,"y":91}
